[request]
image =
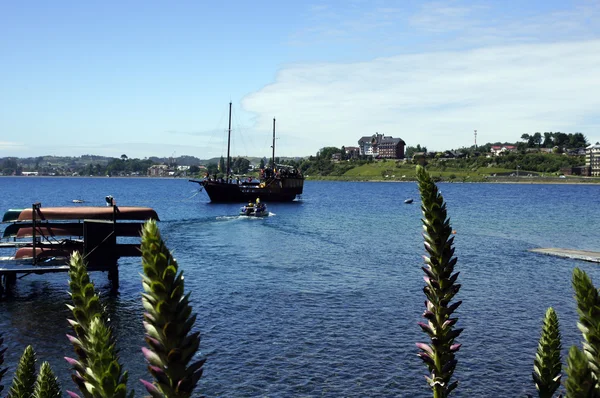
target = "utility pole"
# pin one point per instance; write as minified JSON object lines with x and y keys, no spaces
{"x":475,"y":139}
{"x":228,"y":144}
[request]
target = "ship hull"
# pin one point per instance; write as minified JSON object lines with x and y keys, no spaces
{"x":284,"y":190}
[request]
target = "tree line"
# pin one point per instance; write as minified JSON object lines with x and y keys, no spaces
{"x":557,"y":139}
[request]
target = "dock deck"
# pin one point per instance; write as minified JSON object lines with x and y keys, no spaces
{"x":583,"y":255}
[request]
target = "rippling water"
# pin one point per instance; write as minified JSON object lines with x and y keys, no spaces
{"x":322,"y":297}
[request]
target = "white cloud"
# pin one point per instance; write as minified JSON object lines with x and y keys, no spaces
{"x":436,"y":99}
{"x":440,"y":17}
{"x":10,"y":145}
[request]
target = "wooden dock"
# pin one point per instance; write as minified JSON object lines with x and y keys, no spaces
{"x":582,"y":255}
{"x":48,"y":239}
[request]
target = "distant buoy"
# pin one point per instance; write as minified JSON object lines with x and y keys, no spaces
{"x":454,"y":232}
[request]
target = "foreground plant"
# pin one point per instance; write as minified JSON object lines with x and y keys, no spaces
{"x":580,"y":382}
{"x":24,"y":379}
{"x":168,"y":321}
{"x":46,"y":385}
{"x":583,"y":367}
{"x":440,"y":288}
{"x":2,"y":370}
{"x":98,"y":372}
{"x":547,"y":363}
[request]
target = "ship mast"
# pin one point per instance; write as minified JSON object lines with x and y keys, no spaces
{"x":228,"y":143}
{"x":273,"y":158}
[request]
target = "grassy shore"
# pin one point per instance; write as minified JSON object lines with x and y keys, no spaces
{"x":390,"y":171}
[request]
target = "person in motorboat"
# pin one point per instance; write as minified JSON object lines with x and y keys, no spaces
{"x":248,"y":209}
{"x":260,"y":208}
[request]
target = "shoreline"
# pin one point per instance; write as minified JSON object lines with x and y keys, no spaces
{"x":528,"y":182}
{"x":512,"y":180}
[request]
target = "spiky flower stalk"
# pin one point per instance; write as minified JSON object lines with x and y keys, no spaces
{"x":46,"y":385}
{"x":580,"y":382}
{"x":168,"y":321}
{"x":2,"y":370}
{"x":440,"y":288}
{"x":24,"y":380}
{"x":547,"y":363}
{"x":588,"y":307}
{"x":98,"y":372}
{"x":584,"y":367}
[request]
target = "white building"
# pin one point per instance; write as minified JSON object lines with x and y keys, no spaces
{"x":592,"y":159}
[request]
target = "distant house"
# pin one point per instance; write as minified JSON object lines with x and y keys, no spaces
{"x":381,"y":146}
{"x":576,"y":171}
{"x":498,"y":150}
{"x":419,"y":158}
{"x":575,"y":152}
{"x":352,"y":152}
{"x":158,"y":170}
{"x":452,"y":155}
{"x":542,"y":150}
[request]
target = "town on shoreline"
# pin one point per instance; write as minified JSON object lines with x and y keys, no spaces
{"x":555,"y":158}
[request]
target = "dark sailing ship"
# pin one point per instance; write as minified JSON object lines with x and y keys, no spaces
{"x":276,"y":183}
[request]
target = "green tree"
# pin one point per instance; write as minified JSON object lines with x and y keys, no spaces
{"x":10,"y":166}
{"x":578,"y":140}
{"x":410,"y":150}
{"x":327,"y":152}
{"x":548,"y":140}
{"x":561,"y":140}
{"x":240,"y":165}
{"x":537,"y":139}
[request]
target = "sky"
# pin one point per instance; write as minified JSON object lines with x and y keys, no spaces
{"x":149,"y":78}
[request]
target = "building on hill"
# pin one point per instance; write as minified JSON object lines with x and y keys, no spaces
{"x":498,"y":150}
{"x":352,"y":152}
{"x":419,"y":158}
{"x":158,"y":170}
{"x":381,"y":146}
{"x":592,"y":159}
{"x":576,"y":171}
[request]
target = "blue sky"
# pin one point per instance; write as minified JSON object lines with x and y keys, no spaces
{"x":155,"y":78}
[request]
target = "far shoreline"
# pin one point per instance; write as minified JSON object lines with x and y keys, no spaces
{"x":517,"y":180}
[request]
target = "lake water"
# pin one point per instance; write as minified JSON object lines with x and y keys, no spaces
{"x":322,"y":298}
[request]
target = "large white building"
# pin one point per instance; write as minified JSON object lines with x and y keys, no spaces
{"x":592,"y":159}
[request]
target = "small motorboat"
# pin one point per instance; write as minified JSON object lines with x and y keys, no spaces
{"x":408,"y":201}
{"x":254,"y":209}
{"x":78,"y":201}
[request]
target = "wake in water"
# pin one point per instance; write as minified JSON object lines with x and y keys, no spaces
{"x":239,"y":217}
